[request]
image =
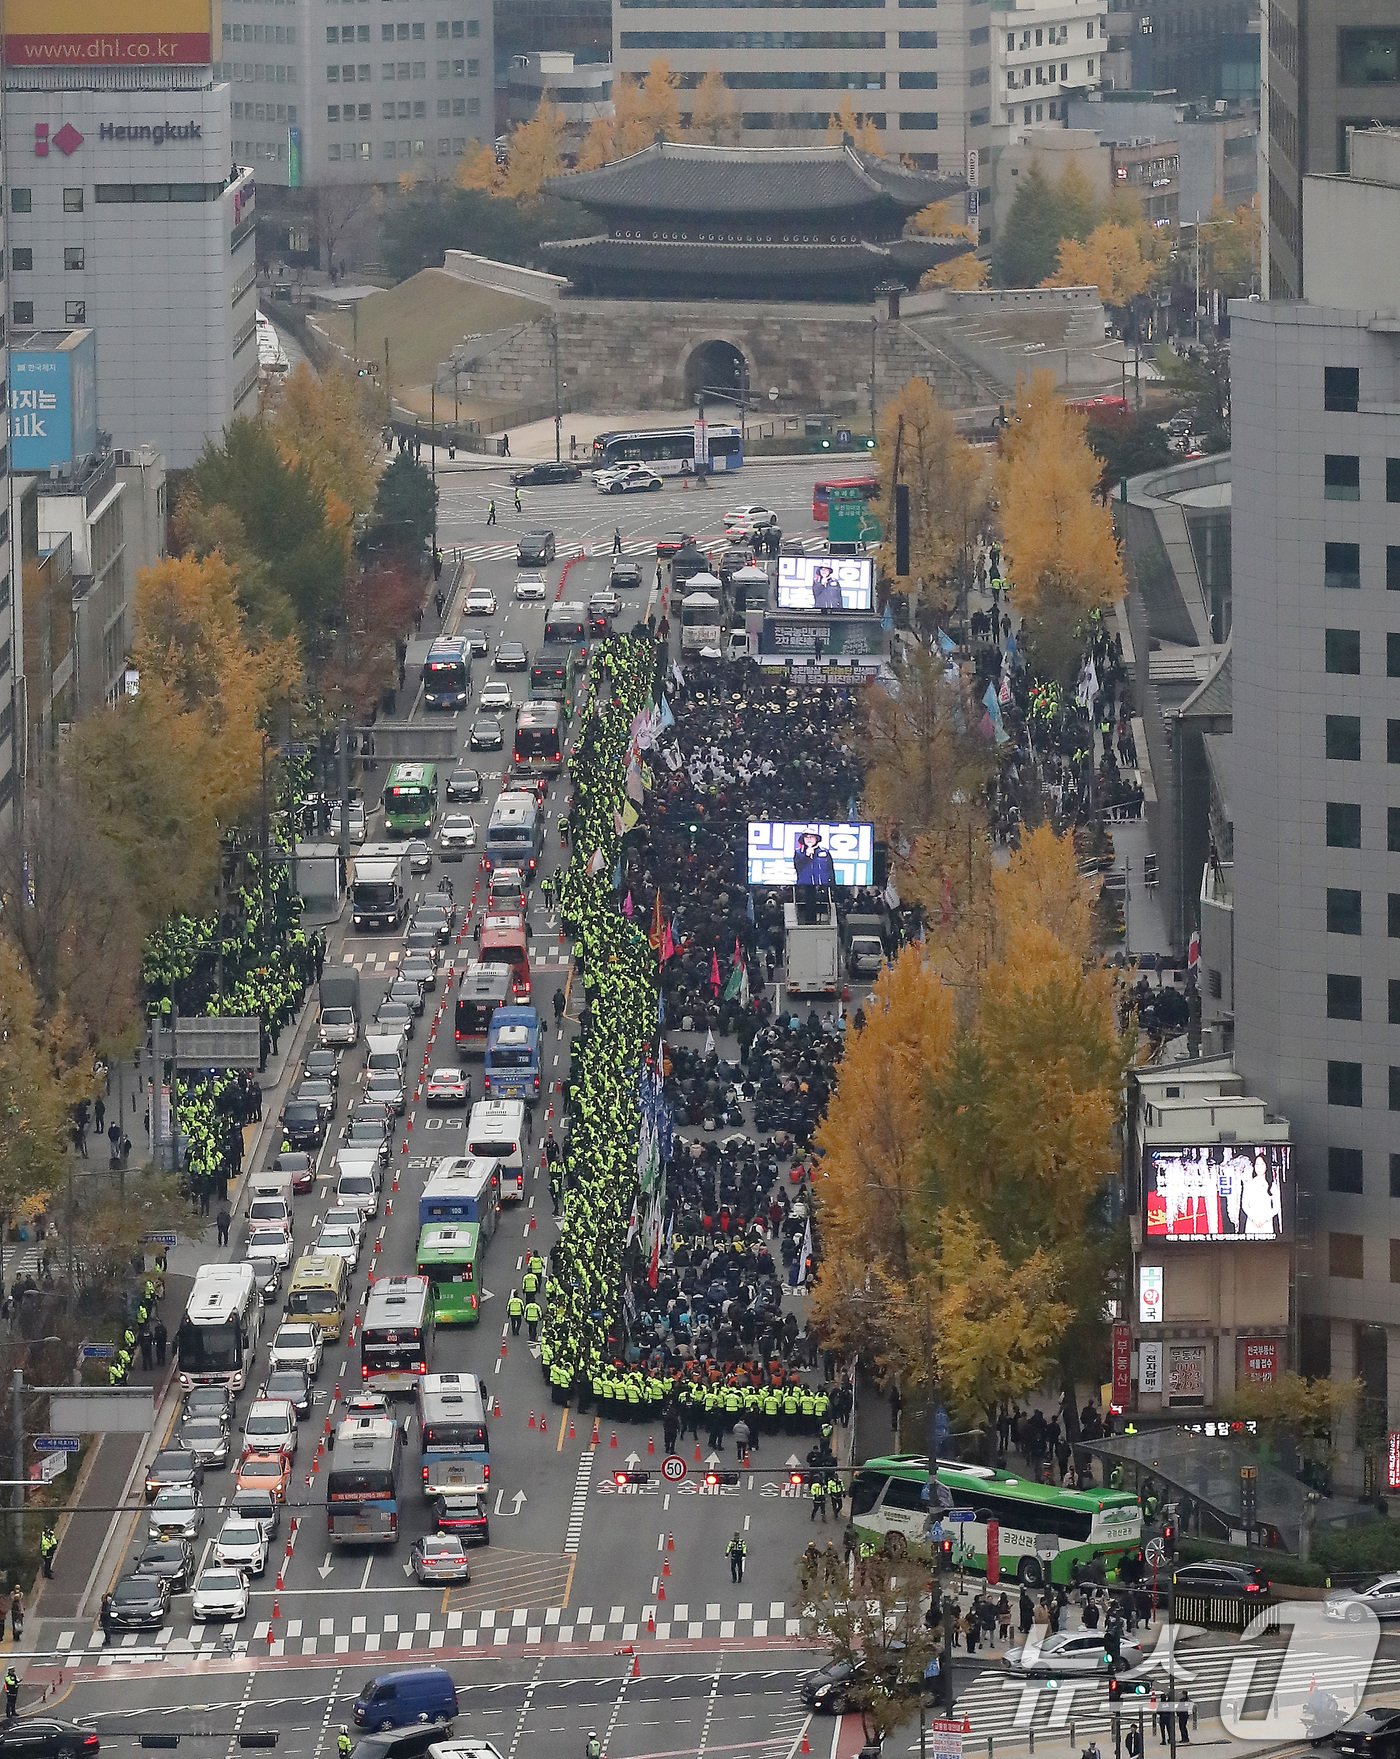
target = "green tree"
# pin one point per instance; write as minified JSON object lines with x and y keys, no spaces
{"x":281,"y":516}
{"x":1128,"y":444}
{"x":874,"y":1616}
{"x":1028,"y":241}
{"x":421,"y":225}
{"x":404,"y":506}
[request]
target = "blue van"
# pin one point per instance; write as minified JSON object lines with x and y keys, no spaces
{"x":408,"y":1695}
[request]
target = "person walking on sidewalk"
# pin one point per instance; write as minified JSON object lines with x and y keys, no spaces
{"x":736,"y":1551}
{"x":223,"y":1221}
{"x":16,"y":1612}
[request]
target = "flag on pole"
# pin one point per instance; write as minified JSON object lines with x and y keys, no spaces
{"x":709,"y":1041}
{"x":658,"y":922}
{"x":628,"y":907}
{"x":668,"y":944}
{"x":714,"y":972}
{"x":946,"y":644}
{"x":805,"y":1257}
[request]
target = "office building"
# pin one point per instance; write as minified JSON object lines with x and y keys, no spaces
{"x":581,"y":91}
{"x":336,"y":92}
{"x":1316,"y":655}
{"x":1042,"y":50}
{"x":1329,"y":66}
{"x":11,"y":602}
{"x":1217,"y":147}
{"x":921,"y":73}
{"x":128,"y":215}
{"x":1204,"y":50}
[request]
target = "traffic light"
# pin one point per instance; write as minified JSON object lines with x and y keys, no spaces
{"x":713,"y":1478}
{"x":1115,"y":1686}
{"x":797,"y":1477}
{"x":945,"y":1554}
{"x":1169,"y":1539}
{"x":631,"y":1477}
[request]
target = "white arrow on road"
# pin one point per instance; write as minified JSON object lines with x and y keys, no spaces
{"x":324,"y":1568}
{"x":792,"y":1460}
{"x":712,"y":1460}
{"x":519,"y":1499}
{"x":633,"y":1461}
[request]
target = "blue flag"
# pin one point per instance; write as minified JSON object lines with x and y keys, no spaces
{"x":946,"y":644}
{"x":887,"y":618}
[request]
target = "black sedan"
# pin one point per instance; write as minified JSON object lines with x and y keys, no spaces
{"x":1370,"y":1734}
{"x":137,"y":1603}
{"x":625,"y":575}
{"x":486,"y":734}
{"x":172,"y":1560}
{"x":464,"y":783}
{"x":45,"y":1737}
{"x":302,"y":1124}
{"x":534,"y":474}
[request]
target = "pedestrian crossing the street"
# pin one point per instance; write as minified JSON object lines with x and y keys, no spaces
{"x":308,"y":1635}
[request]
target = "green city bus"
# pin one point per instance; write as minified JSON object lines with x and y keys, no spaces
{"x":1042,"y":1531}
{"x":410,"y":799}
{"x":449,"y":1256}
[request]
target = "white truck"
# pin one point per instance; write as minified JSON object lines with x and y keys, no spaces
{"x":379,"y":886}
{"x":813,"y":951}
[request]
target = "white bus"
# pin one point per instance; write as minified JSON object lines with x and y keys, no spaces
{"x":514,"y":834}
{"x":397,"y":1336}
{"x":497,"y":1132}
{"x":215,"y":1343}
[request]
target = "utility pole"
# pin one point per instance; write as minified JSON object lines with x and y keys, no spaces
{"x":344,"y":765}
{"x":17,"y":1455}
{"x":874,"y":333}
{"x":432,"y":419}
{"x":558,"y":407}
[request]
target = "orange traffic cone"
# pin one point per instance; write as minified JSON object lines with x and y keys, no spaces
{"x":613,"y":1442}
{"x":636,"y":1667}
{"x":531,"y":1423}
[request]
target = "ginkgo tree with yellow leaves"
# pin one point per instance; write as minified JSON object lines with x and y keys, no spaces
{"x":1061,"y":552}
{"x":948,"y":485}
{"x":966,"y":1150}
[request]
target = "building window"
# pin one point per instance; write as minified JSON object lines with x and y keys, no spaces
{"x":1392,"y":479}
{"x":1392,"y":656}
{"x":1344,"y":1170}
{"x":1343,"y":910}
{"x":75,"y":311}
{"x":1341,"y":565}
{"x":1394,"y":1089}
{"x":1341,"y":388}
{"x":1344,"y":993}
{"x":918,"y":82}
{"x":1394,"y":1260}
{"x":1392,"y":742}
{"x":332,"y":112}
{"x":926,"y":119}
{"x":1343,"y":651}
{"x":1341,"y":476}
{"x":1345,"y":1256}
{"x":1395,"y":1175}
{"x":1393,"y":999}
{"x":1344,"y":1084}
{"x":1392,"y":829}
{"x":918,"y":39}
{"x":1343,"y":825}
{"x":473,"y":27}
{"x":22,"y":258}
{"x":72,"y":201}
{"x":22,"y":313}
{"x":74,"y":257}
{"x":1344,"y":738}
{"x":442,"y":27}
{"x":1368,"y":55}
{"x":21,"y":201}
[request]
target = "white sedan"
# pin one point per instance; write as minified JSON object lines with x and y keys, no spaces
{"x":297,"y":1344}
{"x":529,"y":586}
{"x":635,"y":482}
{"x":446,"y":1087}
{"x":495,"y":694}
{"x":1072,"y":1652}
{"x":456,"y":834}
{"x":273,"y":1243}
{"x":219,"y":1594}
{"x":270,"y":1427}
{"x":610,"y":473}
{"x":744,"y":520}
{"x":339,"y":1242}
{"x":481,"y":602}
{"x":242,"y":1546}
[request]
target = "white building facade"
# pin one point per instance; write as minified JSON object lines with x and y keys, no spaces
{"x":128,"y":214}
{"x":1042,"y":50}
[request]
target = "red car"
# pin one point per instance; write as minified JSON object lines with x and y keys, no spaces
{"x":671,"y":541}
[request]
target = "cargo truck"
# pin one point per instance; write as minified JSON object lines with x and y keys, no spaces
{"x":379,"y":886}
{"x":813,"y":950}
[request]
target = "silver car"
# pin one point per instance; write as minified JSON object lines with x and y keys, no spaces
{"x":1380,"y":1597}
{"x":1072,"y":1652}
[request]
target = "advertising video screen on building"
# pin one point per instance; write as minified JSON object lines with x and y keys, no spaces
{"x":810,"y":854}
{"x":1219,"y":1191}
{"x":826,"y":583}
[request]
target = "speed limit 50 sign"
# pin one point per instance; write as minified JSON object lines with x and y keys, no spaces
{"x":673,"y":1468}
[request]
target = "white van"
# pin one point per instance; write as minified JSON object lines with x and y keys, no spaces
{"x":269,"y":1212}
{"x":496,"y":1131}
{"x":357,"y":1186}
{"x":384,"y":1055}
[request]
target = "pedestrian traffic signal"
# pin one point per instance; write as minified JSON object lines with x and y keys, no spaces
{"x":1169,"y":1538}
{"x":945,"y":1554}
{"x":721,"y":1478}
{"x":1115,"y":1685}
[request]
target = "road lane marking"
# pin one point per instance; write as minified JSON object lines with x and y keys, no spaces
{"x":524,"y":1712}
{"x":578,"y":1504}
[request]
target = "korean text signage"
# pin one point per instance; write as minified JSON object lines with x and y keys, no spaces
{"x":1259,"y":1360}
{"x":1122,"y":1366}
{"x":1150,"y":1280}
{"x":1150,"y":1368}
{"x":1392,"y":1473}
{"x":96,"y":33}
{"x":53,"y":404}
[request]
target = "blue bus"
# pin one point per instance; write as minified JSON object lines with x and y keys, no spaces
{"x":671,"y":451}
{"x":513,"y":1055}
{"x":447,"y":674}
{"x":465,"y":1189}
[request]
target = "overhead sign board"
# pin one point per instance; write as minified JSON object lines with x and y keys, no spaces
{"x":95,"y":33}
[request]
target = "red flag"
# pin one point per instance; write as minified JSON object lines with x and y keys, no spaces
{"x":668,"y":944}
{"x":714,"y":972}
{"x":657,"y":922}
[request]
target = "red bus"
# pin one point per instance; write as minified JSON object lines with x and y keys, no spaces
{"x":1110,"y":406}
{"x":867,"y":487}
{"x":503,"y":942}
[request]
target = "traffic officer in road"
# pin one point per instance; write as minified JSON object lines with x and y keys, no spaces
{"x":515,"y":1312}
{"x":534,"y":1313}
{"x":736,"y":1551}
{"x":48,"y":1545}
{"x":344,"y":1745}
{"x":817,"y":1492}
